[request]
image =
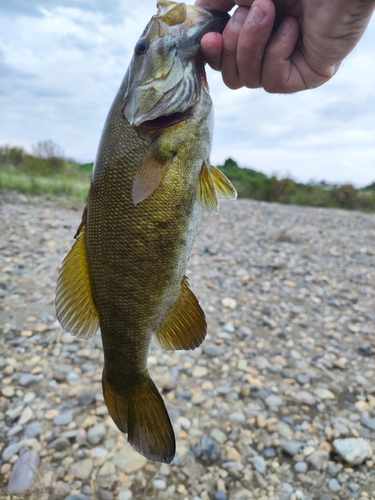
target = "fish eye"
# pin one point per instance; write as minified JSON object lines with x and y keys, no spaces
{"x":141,"y":46}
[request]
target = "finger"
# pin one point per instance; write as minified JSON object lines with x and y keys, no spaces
{"x":279,"y":73}
{"x":231,"y":35}
{"x":225,"y":5}
{"x":211,"y":48}
{"x":252,"y":41}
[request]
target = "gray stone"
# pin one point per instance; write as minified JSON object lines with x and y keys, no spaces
{"x":273,"y":400}
{"x":368,"y":422}
{"x":213,"y":350}
{"x":63,"y":418}
{"x":304,"y":397}
{"x":237,"y":418}
{"x":292,"y":447}
{"x":210,"y":448}
{"x":125,"y":495}
{"x":59,"y":444}
{"x":259,"y":464}
{"x":318,"y":459}
{"x":353,"y":450}
{"x":82,"y":469}
{"x":32,"y":430}
{"x":28,"y":379}
{"x":24,"y":473}
{"x":26,"y":416}
{"x":86,"y":398}
{"x":11,"y":450}
{"x":61,"y":489}
{"x":106,"y":495}
{"x":300,"y":467}
{"x":219,"y":435}
{"x":159,"y":484}
{"x":129,"y":460}
{"x":334,"y":485}
{"x":96,"y":433}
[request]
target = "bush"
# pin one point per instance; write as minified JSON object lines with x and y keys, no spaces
{"x":281,"y":191}
{"x":344,"y":196}
{"x":11,"y":156}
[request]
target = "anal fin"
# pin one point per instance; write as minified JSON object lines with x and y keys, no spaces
{"x":75,"y":307}
{"x":185,"y":327}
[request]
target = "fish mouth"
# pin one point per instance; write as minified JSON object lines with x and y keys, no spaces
{"x":166,"y":121}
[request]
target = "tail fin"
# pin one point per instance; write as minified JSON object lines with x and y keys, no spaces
{"x":142,"y":414}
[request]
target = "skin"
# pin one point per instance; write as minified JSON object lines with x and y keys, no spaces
{"x":284,"y":46}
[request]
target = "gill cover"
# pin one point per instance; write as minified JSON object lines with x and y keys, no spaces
{"x":163,"y":77}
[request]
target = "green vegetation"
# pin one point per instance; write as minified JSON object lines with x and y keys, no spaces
{"x":257,"y":186}
{"x":46,"y":172}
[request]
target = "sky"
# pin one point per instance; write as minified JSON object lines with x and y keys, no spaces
{"x":62,"y":61}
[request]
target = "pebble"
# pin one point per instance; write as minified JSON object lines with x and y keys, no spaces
{"x":63,"y":418}
{"x":210,"y":448}
{"x":354,"y":451}
{"x":11,"y":450}
{"x":304,"y":397}
{"x":125,"y":495}
{"x":128,"y":460}
{"x":259,"y":464}
{"x":300,"y":467}
{"x":278,"y":364}
{"x":334,"y":485}
{"x":292,"y":447}
{"x":96,"y":433}
{"x":159,"y":484}
{"x":24,"y":473}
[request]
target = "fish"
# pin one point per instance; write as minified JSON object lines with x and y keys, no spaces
{"x":151,"y":181}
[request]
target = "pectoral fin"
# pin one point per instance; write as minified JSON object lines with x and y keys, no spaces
{"x":149,"y":175}
{"x":224,"y":188}
{"x":207,"y":196}
{"x":75,"y":307}
{"x":185,"y":327}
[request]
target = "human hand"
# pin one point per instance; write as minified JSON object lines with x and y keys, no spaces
{"x":284,"y":46}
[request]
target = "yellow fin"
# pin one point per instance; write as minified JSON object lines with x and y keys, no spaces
{"x":142,"y":414}
{"x":148,"y":175}
{"x":75,"y":307}
{"x":207,"y":196}
{"x":185,"y":327}
{"x":176,"y":15}
{"x":224,"y":188}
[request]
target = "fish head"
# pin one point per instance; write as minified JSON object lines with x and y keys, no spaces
{"x":166,"y":76}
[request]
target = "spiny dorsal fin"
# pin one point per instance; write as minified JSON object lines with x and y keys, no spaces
{"x":207,"y":197}
{"x":224,"y":188}
{"x":75,"y":307}
{"x":176,"y":15}
{"x":185,"y":327}
{"x":148,"y":175}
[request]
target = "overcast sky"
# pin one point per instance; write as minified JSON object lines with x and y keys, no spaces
{"x":61,"y":62}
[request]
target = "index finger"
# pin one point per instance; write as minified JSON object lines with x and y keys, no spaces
{"x":225,"y":5}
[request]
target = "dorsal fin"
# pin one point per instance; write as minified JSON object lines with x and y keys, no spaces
{"x":176,"y":15}
{"x":207,"y":197}
{"x":185,"y":327}
{"x":75,"y":307}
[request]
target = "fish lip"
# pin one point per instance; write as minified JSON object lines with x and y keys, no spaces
{"x":217,"y":23}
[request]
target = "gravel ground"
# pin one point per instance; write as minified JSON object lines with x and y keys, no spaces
{"x":278,"y":403}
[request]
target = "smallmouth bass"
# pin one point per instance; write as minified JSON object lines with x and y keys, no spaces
{"x":151,"y":181}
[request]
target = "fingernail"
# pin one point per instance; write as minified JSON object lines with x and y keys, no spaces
{"x":240,"y":16}
{"x":256,"y":15}
{"x":285,"y":27}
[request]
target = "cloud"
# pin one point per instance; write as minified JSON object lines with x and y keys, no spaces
{"x":59,"y":75}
